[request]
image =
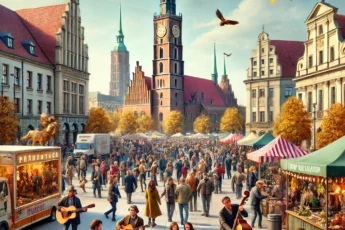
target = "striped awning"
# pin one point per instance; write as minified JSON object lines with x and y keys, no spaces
{"x":231,"y":139}
{"x":277,"y":149}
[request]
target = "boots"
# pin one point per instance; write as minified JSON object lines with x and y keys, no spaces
{"x":153,"y":222}
{"x":149,"y":223}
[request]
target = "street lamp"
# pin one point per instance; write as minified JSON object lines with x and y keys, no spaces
{"x":314,"y":106}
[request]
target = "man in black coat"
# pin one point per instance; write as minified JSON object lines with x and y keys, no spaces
{"x":71,"y":200}
{"x":228,"y":163}
{"x":228,"y":213}
{"x":255,"y":201}
{"x":130,"y":185}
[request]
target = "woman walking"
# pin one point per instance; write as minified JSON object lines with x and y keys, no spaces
{"x":113,"y":196}
{"x":152,"y":210}
{"x":123,"y":171}
{"x":169,"y":193}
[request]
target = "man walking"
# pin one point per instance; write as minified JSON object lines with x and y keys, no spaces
{"x":130,"y":185}
{"x":238,"y":180}
{"x":162,"y":165}
{"x":193,"y":182}
{"x":205,"y":189}
{"x":183,"y":194}
{"x":228,"y":162}
{"x":255,"y":198}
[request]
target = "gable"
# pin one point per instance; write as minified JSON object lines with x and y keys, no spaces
{"x":320,"y":9}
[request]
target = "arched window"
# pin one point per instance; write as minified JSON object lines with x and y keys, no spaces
{"x":163,"y":83}
{"x":160,"y":83}
{"x":161,"y":53}
{"x":175,"y":68}
{"x":161,"y":67}
{"x":175,"y":53}
{"x":160,"y":116}
{"x":175,"y":82}
{"x":161,"y":95}
{"x":176,"y":95}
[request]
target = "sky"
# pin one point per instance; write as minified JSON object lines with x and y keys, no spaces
{"x":283,"y":20}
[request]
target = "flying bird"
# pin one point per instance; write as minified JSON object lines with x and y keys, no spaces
{"x":223,"y":20}
{"x":228,"y":55}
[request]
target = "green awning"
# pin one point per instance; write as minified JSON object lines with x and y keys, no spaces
{"x":326,"y":162}
{"x":260,"y":141}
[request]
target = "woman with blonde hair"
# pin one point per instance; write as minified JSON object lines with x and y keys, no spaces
{"x":153,"y":200}
{"x":252,"y":177}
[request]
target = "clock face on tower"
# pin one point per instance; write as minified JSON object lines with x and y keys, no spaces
{"x":176,"y":31}
{"x":161,"y":31}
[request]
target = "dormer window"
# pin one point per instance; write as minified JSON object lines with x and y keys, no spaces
{"x":7,"y":39}
{"x":30,"y":47}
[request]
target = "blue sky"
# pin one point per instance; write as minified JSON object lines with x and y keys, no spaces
{"x":283,"y":20}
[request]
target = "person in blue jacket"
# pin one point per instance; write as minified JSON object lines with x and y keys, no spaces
{"x":113,"y":197}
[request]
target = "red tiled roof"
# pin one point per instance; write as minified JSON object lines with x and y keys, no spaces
{"x":43,"y":23}
{"x":288,"y":53}
{"x":148,"y":82}
{"x":11,"y":23}
{"x":341,"y":22}
{"x":197,"y":85}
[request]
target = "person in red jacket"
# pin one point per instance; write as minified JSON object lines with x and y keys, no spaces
{"x":220,"y":172}
{"x":184,"y":170}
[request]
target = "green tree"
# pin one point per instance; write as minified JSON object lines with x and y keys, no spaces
{"x":231,"y":121}
{"x":99,"y":121}
{"x":8,"y":121}
{"x":202,"y":124}
{"x":174,"y":123}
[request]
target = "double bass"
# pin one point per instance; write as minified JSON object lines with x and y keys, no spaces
{"x":240,"y":223}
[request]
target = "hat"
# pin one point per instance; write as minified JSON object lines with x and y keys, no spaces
{"x":260,"y":182}
{"x":71,"y":188}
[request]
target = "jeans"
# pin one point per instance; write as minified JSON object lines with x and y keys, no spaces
{"x":195,"y":197}
{"x":228,"y":172}
{"x":220,"y":183}
{"x":185,"y":208}
{"x":142,"y":178}
{"x":178,"y":175}
{"x":239,"y":191}
{"x":206,"y":199}
{"x":83,"y":173}
{"x":72,"y":222}
{"x":98,"y":188}
{"x":113,"y":208}
{"x":170,"y":210}
{"x":257,"y":212}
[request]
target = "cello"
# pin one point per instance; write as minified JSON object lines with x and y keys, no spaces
{"x":240,"y":223}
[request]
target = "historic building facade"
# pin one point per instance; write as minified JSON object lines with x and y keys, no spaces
{"x":269,"y":81}
{"x":320,"y":76}
{"x":119,"y":76}
{"x":50,"y":66}
{"x":169,"y":88}
{"x":107,"y":102}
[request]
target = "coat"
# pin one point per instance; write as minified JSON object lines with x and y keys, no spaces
{"x":125,"y":221}
{"x":130,"y":184}
{"x":152,"y":209}
{"x":256,"y":197}
{"x":76,"y":203}
{"x":226,"y":220}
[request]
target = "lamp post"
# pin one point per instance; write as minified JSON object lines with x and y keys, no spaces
{"x":314,"y":107}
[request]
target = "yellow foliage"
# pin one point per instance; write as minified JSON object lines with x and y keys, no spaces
{"x":202,"y":124}
{"x":99,"y":121}
{"x":8,"y":121}
{"x":114,"y":119}
{"x":145,"y":124}
{"x":231,"y":121}
{"x":332,"y":126}
{"x":294,"y":123}
{"x":127,"y":123}
{"x":174,"y":123}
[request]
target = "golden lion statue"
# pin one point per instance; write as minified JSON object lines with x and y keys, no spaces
{"x":42,"y":136}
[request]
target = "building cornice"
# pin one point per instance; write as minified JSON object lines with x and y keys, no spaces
{"x":49,"y":66}
{"x":267,"y":79}
{"x":335,"y":68}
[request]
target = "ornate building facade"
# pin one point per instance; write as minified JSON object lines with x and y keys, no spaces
{"x":169,"y":88}
{"x":107,"y":102}
{"x":52,"y":60}
{"x":119,"y":79}
{"x":320,"y":76}
{"x":269,"y":81}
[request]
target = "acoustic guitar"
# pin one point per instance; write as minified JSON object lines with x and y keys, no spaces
{"x":67,"y":213}
{"x":130,"y":227}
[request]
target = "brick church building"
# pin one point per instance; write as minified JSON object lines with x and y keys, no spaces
{"x":170,"y":88}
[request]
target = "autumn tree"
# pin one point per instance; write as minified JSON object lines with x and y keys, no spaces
{"x":232,"y":121}
{"x":99,"y":121}
{"x":145,"y":124}
{"x":8,"y":121}
{"x":114,"y":119}
{"x":174,"y":122}
{"x":127,"y":123}
{"x":294,"y":123}
{"x":202,"y":124}
{"x":332,"y":126}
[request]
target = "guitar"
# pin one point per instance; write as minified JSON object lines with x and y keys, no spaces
{"x":130,"y":227}
{"x":70,"y":212}
{"x":240,"y":223}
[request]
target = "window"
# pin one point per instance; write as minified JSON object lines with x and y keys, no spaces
{"x":161,"y":41}
{"x":32,"y":50}
{"x":262,"y":116}
{"x":253,"y":93}
{"x":310,"y":61}
{"x":16,"y":76}
{"x":39,"y":107}
{"x":270,"y":94}
{"x":17,"y":105}
{"x":4,"y":74}
{"x":175,"y":95}
{"x":320,"y":30}
{"x":49,"y":79}
{"x":161,"y":95}
{"x":254,"y":63}
{"x":271,"y":71}
{"x":175,"y":83}
{"x":175,"y":53}
{"x":74,"y":97}
{"x":331,"y":54}
{"x":310,"y":103}
{"x":29,"y":80}
{"x":262,"y":50}
{"x":161,"y":102}
{"x":300,"y":96}
{"x":161,"y":117}
{"x":262,"y":73}
{"x":320,"y":100}
{"x":320,"y":57}
{"x":254,"y":74}
{"x":10,"y":42}
{"x":161,"y":67}
{"x":254,"y":117}
{"x":161,"y":53}
{"x":29,"y":101}
{"x":175,"y":69}
{"x":81,"y":99}
{"x":49,"y":105}
{"x":65,"y":96}
{"x":271,"y":49}
{"x":332,"y":95}
{"x":270,"y":116}
{"x":161,"y":83}
{"x":288,"y":91}
{"x":261,"y":92}
{"x":271,"y":60}
{"x":39,"y":81}
{"x":262,"y":61}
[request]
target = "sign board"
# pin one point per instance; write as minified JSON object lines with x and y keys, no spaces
{"x":32,"y":157}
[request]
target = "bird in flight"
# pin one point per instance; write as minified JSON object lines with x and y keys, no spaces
{"x":223,"y":20}
{"x":228,"y":55}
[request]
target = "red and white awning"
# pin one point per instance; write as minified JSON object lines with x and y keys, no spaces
{"x":231,"y":139}
{"x":277,"y":149}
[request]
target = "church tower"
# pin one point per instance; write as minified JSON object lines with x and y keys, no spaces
{"x":168,"y":65}
{"x":119,"y":80}
{"x":215,"y":72}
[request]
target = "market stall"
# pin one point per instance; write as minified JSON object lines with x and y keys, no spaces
{"x":316,"y":188}
{"x":249,"y":137}
{"x":259,"y":142}
{"x":231,"y":138}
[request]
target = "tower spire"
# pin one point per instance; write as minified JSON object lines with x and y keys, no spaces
{"x":120,"y":45}
{"x":215,"y":72}
{"x":120,"y":30}
{"x":224,"y":67}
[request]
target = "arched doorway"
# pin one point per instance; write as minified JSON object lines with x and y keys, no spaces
{"x":82,"y":128}
{"x":75,"y":132}
{"x":66,"y":131}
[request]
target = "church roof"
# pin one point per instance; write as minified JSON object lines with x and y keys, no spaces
{"x":44,"y":23}
{"x":288,"y":53}
{"x":341,"y":22}
{"x":148,"y":82}
{"x":20,"y":33}
{"x":194,"y":87}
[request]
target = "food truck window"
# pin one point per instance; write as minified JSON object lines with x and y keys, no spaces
{"x":37,"y":180}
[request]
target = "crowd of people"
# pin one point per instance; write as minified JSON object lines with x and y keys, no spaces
{"x":187,"y":169}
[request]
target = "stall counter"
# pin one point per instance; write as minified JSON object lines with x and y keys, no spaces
{"x":295,"y":221}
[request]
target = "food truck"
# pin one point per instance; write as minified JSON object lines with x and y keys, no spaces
{"x":30,"y":185}
{"x":93,"y":145}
